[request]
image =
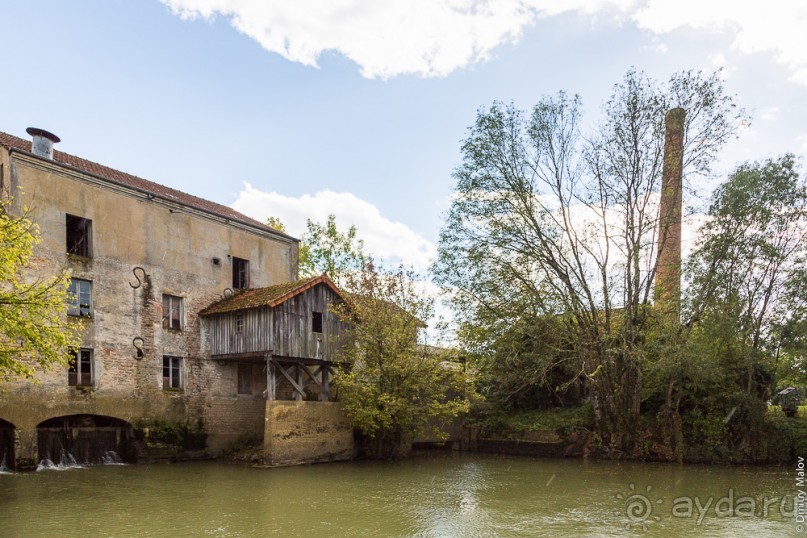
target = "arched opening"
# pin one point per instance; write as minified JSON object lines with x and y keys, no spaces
{"x":77,"y":439}
{"x":7,"y":458}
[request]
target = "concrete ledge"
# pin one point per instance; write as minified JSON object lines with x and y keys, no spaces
{"x":306,"y":432}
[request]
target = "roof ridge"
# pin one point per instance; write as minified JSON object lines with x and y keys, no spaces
{"x":126,"y":179}
{"x":269,"y":296}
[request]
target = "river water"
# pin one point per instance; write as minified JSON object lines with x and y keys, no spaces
{"x":435,"y":495}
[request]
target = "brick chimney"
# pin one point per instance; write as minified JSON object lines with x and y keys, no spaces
{"x":667,"y":293}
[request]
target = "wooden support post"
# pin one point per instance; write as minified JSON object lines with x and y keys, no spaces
{"x":271,"y":380}
{"x":300,"y":394}
{"x":325,"y":388}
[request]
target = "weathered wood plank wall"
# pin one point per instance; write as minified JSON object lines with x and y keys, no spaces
{"x":286,"y":329}
{"x":292,"y":330}
{"x":255,"y":335}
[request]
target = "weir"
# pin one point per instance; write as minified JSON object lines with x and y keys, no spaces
{"x":84,"y":439}
{"x":7,"y":452}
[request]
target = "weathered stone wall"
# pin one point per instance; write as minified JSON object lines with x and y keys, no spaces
{"x":143,"y":247}
{"x":230,"y":420}
{"x":306,"y":432}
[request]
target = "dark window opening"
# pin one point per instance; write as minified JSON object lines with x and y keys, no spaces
{"x":79,"y":298}
{"x":79,"y":369}
{"x":172,"y":372}
{"x":79,"y":236}
{"x":172,"y":312}
{"x":316,"y":322}
{"x":240,"y":274}
{"x":244,"y":378}
{"x":239,"y":323}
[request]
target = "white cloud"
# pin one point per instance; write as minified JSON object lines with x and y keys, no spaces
{"x":776,"y":26}
{"x":801,"y":142}
{"x":387,"y":38}
{"x":769,"y":113}
{"x":392,"y":241}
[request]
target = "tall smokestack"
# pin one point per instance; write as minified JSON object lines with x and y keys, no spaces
{"x":668,"y":268}
{"x":42,"y":143}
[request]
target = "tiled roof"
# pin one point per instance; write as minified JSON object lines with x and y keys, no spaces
{"x":270,"y":296}
{"x":115,"y":176}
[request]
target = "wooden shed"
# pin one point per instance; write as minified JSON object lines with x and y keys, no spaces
{"x":290,"y":327}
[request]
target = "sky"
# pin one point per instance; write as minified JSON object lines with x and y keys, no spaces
{"x":301,"y":108}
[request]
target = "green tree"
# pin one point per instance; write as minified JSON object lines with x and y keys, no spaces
{"x":326,"y":249}
{"x":749,"y":264}
{"x":396,"y":387}
{"x":565,"y":225}
{"x":34,"y":329}
{"x":791,"y":332}
{"x":709,"y":378}
{"x":276,"y":223}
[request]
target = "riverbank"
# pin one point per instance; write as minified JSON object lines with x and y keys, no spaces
{"x":568,"y":432}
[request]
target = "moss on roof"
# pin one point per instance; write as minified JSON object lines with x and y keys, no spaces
{"x":270,"y":296}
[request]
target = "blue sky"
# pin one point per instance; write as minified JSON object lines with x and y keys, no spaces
{"x":220,"y":98}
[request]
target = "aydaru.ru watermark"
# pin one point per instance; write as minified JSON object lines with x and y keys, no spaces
{"x":643,"y":507}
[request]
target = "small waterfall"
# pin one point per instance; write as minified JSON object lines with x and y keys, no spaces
{"x":3,"y":464}
{"x":112,"y":458}
{"x":82,"y":440}
{"x":66,"y":461}
{"x":6,"y":447}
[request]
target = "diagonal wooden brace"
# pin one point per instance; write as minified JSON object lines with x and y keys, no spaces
{"x":298,"y":387}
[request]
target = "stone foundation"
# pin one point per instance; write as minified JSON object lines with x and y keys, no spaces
{"x":306,"y":432}
{"x":230,"y":420}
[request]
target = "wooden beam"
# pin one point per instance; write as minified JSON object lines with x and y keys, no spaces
{"x":242,"y":357}
{"x":300,"y":381}
{"x":323,"y":371}
{"x":313,"y":376}
{"x":325,"y":393}
{"x":271,"y":380}
{"x":298,"y":388}
{"x":306,"y":360}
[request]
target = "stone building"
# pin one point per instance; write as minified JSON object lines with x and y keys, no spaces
{"x":145,"y":260}
{"x":294,"y":333}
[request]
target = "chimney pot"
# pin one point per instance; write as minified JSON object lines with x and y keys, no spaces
{"x":42,"y":143}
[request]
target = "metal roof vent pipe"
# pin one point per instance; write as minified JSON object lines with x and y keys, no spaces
{"x":42,"y":143}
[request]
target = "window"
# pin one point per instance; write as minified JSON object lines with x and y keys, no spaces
{"x":172,"y":372}
{"x":79,"y":302}
{"x":244,"y":378}
{"x":79,"y":369}
{"x":316,"y":322}
{"x":79,"y":236}
{"x":240,"y":274}
{"x":172,"y":312}
{"x":239,"y":323}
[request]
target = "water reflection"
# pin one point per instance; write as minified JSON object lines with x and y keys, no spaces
{"x":436,"y":496}
{"x":449,"y":503}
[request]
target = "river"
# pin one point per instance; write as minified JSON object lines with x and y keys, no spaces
{"x":435,"y":495}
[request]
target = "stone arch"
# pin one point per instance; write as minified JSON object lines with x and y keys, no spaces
{"x":85,"y":438}
{"x":8,"y":435}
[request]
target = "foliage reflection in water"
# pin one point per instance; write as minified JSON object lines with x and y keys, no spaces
{"x":430,"y":496}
